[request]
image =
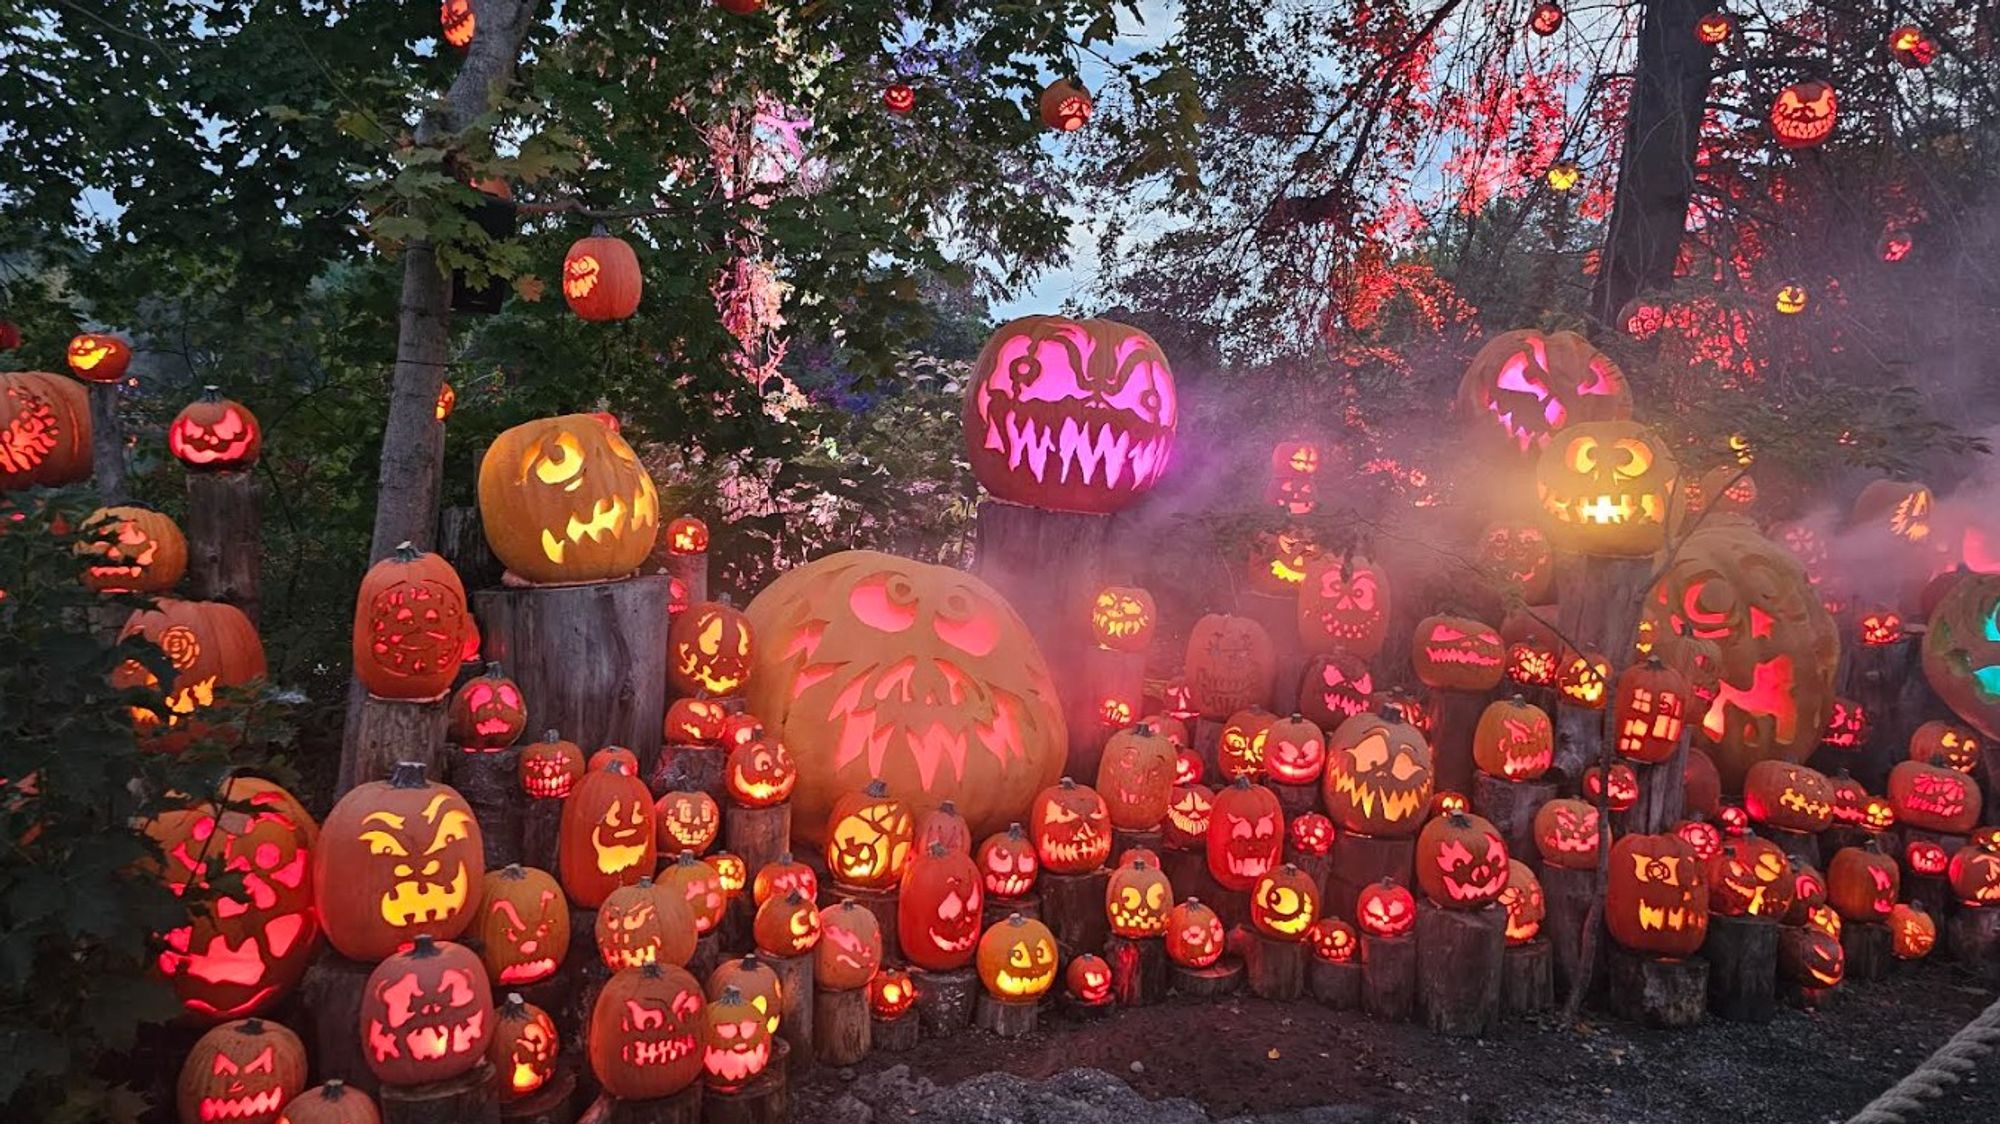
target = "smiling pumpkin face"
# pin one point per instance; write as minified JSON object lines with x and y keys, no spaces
{"x":96,"y":357}
{"x":215,"y":434}
{"x":131,"y":549}
{"x":1605,"y":488}
{"x":565,"y":499}
{"x":1017,"y":959}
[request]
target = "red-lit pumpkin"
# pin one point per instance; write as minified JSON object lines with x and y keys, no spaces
{"x":1803,"y":114}
{"x":1332,"y":940}
{"x":241,"y":1071}
{"x":1309,"y":833}
{"x":1617,"y":788}
{"x":1240,"y":750}
{"x":409,"y":626}
{"x":736,"y":1042}
{"x":1934,"y":798}
{"x":1457,"y":654}
{"x":601,"y":278}
{"x":213,"y":433}
{"x":1656,"y":902}
{"x":1461,"y":861}
{"x":1088,"y":979}
{"x":945,"y":827}
{"x":397,"y":858}
{"x":1194,"y":934}
{"x":1385,"y":909}
{"x":1524,"y":386}
{"x":695,"y":722}
{"x":1750,"y":877}
{"x":1650,"y":711}
{"x":44,"y":430}
{"x":1188,"y":815}
{"x":1065,"y":105}
{"x":1523,"y":899}
{"x":549,"y":769}
{"x":1245,"y":834}
{"x":698,"y":884}
{"x":426,"y":1014}
{"x":1862,"y":883}
{"x":1344,"y":605}
{"x":644,"y":1035}
{"x":488,"y":712}
{"x":524,"y":1046}
{"x":938,"y":909}
{"x":1567,"y":834}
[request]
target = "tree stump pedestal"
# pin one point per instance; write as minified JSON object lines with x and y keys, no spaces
{"x":541,"y":832}
{"x":841,"y":1026}
{"x":1138,"y":969}
{"x":894,"y":1036}
{"x":1360,"y":861}
{"x":1528,"y":978}
{"x":1275,"y":969}
{"x":391,"y":731}
{"x":758,"y":835}
{"x":1567,"y":895}
{"x":1073,"y":909}
{"x":691,"y":768}
{"x":882,"y":903}
{"x":997,"y":910}
{"x":470,"y":1098}
{"x":1973,"y":936}
{"x":683,"y":1107}
{"x":491,"y":785}
{"x":1006,"y":1019}
{"x":1867,"y":947}
{"x":1655,"y":992}
{"x":945,"y":999}
{"x":795,"y":1005}
{"x":764,"y":1099}
{"x":1511,"y":806}
{"x":553,"y":1103}
{"x":1336,"y":984}
{"x":1389,"y":976}
{"x":1218,"y":979}
{"x":1460,"y":954}
{"x":1742,"y":954}
{"x":330,"y":996}
{"x":1295,"y":799}
{"x":1123,"y":841}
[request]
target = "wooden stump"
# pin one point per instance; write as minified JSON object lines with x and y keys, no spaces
{"x":1598,"y":607}
{"x":840,"y":1026}
{"x":1008,"y":1020}
{"x":1361,"y":860}
{"x":1336,"y":985}
{"x":1232,"y":906}
{"x":592,"y":659}
{"x":945,"y":999}
{"x":691,"y":570}
{"x":462,"y":541}
{"x":1073,"y":909}
{"x":795,"y":1004}
{"x":1207,"y":734}
{"x":1799,"y":846}
{"x":1187,"y":870}
{"x":1973,"y":936}
{"x":1658,"y":993}
{"x":1528,"y":978}
{"x":997,"y":910}
{"x":1867,"y":946}
{"x":391,"y":731}
{"x":893,"y":1036}
{"x":491,"y":784}
{"x":586,"y":972}
{"x":1319,"y":868}
{"x":1567,"y":895}
{"x":107,"y":448}
{"x":766,"y":1099}
{"x":683,"y":1107}
{"x":1662,"y":792}
{"x":1218,"y":979}
{"x":225,"y":546}
{"x":1459,"y":958}
{"x":1389,"y":976}
{"x":1108,"y":677}
{"x":330,"y":997}
{"x":541,"y":829}
{"x":1279,"y":614}
{"x":469,"y":1098}
{"x":707,"y":954}
{"x":1511,"y":807}
{"x":1083,"y":1010}
{"x":550,"y":1104}
{"x":882,"y":903}
{"x":694,"y":768}
{"x":1451,"y":741}
{"x":759,"y":835}
{"x":1275,"y":969}
{"x":1138,"y":969}
{"x":1295,"y":799}
{"x":1123,"y":841}
{"x":1742,"y":955}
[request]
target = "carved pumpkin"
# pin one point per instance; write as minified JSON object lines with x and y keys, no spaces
{"x":1461,"y":861}
{"x":1962,"y":651}
{"x":1925,"y":857}
{"x":870,"y":838}
{"x":1137,"y":897}
{"x":1566,"y":834}
{"x":695,"y":722}
{"x":1334,"y":688}
{"x":1245,"y":834}
{"x":1750,"y":877}
{"x":523,"y":925}
{"x":1344,"y":605}
{"x":1294,"y":463}
{"x":1240,"y":750}
{"x":736,"y":1047}
{"x":1524,"y":386}
{"x":606,"y":839}
{"x":1294,"y":750}
{"x":549,"y":768}
{"x":1007,"y":863}
{"x":945,"y":827}
{"x":1803,"y":114}
{"x":1605,"y":487}
{"x":1017,"y":959}
{"x":1546,"y":18}
{"x":1071,"y":827}
{"x":687,"y":821}
{"x":1934,"y":798}
{"x":409,"y":626}
{"x":755,"y":981}
{"x":1189,"y":812}
{"x":1617,"y":788}
{"x":241,"y":1071}
{"x":601,"y":278}
{"x":44,"y":430}
{"x":1912,"y":932}
{"x":610,"y":754}
{"x":1088,"y":979}
{"x":1519,"y":555}
{"x":211,"y":646}
{"x":938,"y":909}
{"x":1911,"y":47}
{"x":131,"y":549}
{"x":760,"y":774}
{"x":426,"y":1014}
{"x":644,"y":1036}
{"x":1385,"y":909}
{"x":1332,"y":940}
{"x":565,"y":499}
{"x":1650,"y":712}
{"x":642,"y":924}
{"x":1457,"y":654}
{"x":215,"y":434}
{"x":1656,"y":902}
{"x":1230,"y":664}
{"x":1308,"y":834}
{"x":1065,"y":105}
{"x":1378,"y":775}
{"x":1704,"y":837}
{"x":687,"y":534}
{"x":1714,"y":28}
{"x":1811,"y":958}
{"x":1788,"y":797}
{"x":457,"y":22}
{"x":1135,"y":778}
{"x":1948,"y":744}
{"x":488,"y":712}
{"x":1584,"y":679}
{"x":1121,"y":618}
{"x":397,"y":858}
{"x":1284,"y":903}
{"x":1523,"y":899}
{"x":1808,"y":893}
{"x":1514,"y":740}
{"x":1194,"y":934}
{"x":524,"y":1046}
{"x":1846,"y":727}
{"x":331,"y":1102}
{"x":698,"y":884}
{"x":98,"y":357}
{"x":1862,"y":884}
{"x":787,"y":925}
{"x":1974,"y":873}
{"x":709,"y":650}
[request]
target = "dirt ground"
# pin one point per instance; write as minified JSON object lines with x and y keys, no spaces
{"x":1246,"y":1056}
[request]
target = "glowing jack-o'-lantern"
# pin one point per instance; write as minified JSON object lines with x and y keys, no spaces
{"x":1584,"y":679}
{"x":695,"y":722}
{"x":709,"y":650}
{"x":1458,"y":654}
{"x":1899,"y":508}
{"x":1656,"y":901}
{"x":1605,"y":487}
{"x":849,"y":949}
{"x":1650,"y":713}
{"x":1378,"y":775}
{"x":1524,"y":901}
{"x":447,"y":401}
{"x":409,"y":626}
{"x":741,"y":729}
{"x":1846,"y":726}
{"x":1862,"y":884}
{"x":1230,"y":664}
{"x":1194,"y":935}
{"x":899,"y":98}
{"x":330,"y":1102}
{"x":869,"y":665}
{"x":1926,"y":857}
{"x":760,"y":774}
{"x":870,"y":837}
{"x":213,"y":433}
{"x":1071,"y":827}
{"x":1284,"y":903}
{"x":241,"y":1071}
{"x":523,"y":925}
{"x":891,"y":994}
{"x":1803,"y":114}
{"x":1309,"y":833}
{"x":1812,"y":958}
{"x":731,"y":872}
{"x":1293,"y":466}
{"x":1715,"y":28}
{"x":1335,"y":686}
{"x":1949,"y":744}
{"x":1065,"y":105}
{"x":1136,"y":899}
{"x":397,"y":858}
{"x":687,"y":821}
{"x":1245,"y":834}
{"x":1546,"y":18}
{"x":1332,"y":940}
{"x":1962,"y":651}
{"x":211,"y":645}
{"x":1524,"y":386}
{"x":1007,"y":863}
{"x":736,"y":1042}
{"x":1788,"y":797}
{"x":938,"y":909}
{"x":1910,"y":46}
{"x":98,"y":357}
{"x":1514,"y":740}
{"x":1562,"y":176}
{"x":1974,"y":872}
{"x":524,"y":1046}
{"x":1239,"y":750}
{"x":644,"y":1035}
{"x":1461,"y":861}
{"x":1933,"y":798}
{"x":1895,"y":244}
{"x":696,"y":883}
{"x":1880,"y":626}
{"x":1750,"y":877}
{"x":565,"y":499}
{"x":786,"y":925}
{"x":601,"y":278}
{"x":1135,"y":777}
{"x":1519,"y":554}
{"x":1385,"y":909}
{"x":1531,"y":663}
{"x":44,"y":430}
{"x":1912,"y":932}
{"x":1070,"y":415}
{"x":1344,"y":606}
{"x":1566,"y":833}
{"x":780,"y":877}
{"x":1850,"y":798}
{"x":1294,"y":750}
{"x":607,"y":838}
{"x":1088,"y":979}
{"x":488,"y":712}
{"x":1279,"y":559}
{"x":426,"y":1014}
{"x":1704,"y":837}
{"x":1189,"y":813}
{"x":687,"y":534}
{"x":1790,"y":299}
{"x":1121,"y":618}
{"x":131,"y":549}
{"x":457,"y":22}
{"x":1017,"y":959}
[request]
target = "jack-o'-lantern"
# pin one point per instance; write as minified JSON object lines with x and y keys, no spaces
{"x":1332,"y":940}
{"x":241,"y":1071}
{"x":686,"y":534}
{"x":1378,"y":775}
{"x":943,"y":826}
{"x":601,"y":278}
{"x":899,"y":98}
{"x":522,"y":927}
{"x":1788,"y":797}
{"x":938,"y":909}
{"x":397,"y":858}
{"x":1811,"y":958}
{"x":1189,"y":813}
{"x":695,"y":722}
{"x":1188,"y":767}
{"x":696,"y":882}
{"x":1605,"y":489}
{"x":643,"y":923}
{"x":1617,"y":787}
{"x":1284,"y":903}
{"x":131,"y":549}
{"x":1546,"y":18}
{"x":238,"y":952}
{"x":1656,"y":902}
{"x":1065,"y":105}
{"x":644,"y":1035}
{"x":1385,"y":909}
{"x":1279,"y":558}
{"x":741,"y":729}
{"x":1457,"y":654}
{"x":760,"y":774}
{"x":524,"y":1046}
{"x":565,"y":499}
{"x":1808,"y":893}
{"x":1790,"y":299}
{"x":1168,"y":727}
{"x":1230,"y":664}
{"x":1912,"y":932}
{"x":1962,"y":651}
{"x":1850,"y":798}
{"x":786,"y":925}
{"x":1974,"y":874}
{"x":211,"y":646}
{"x":1017,"y":959}
{"x":1925,"y":857}
{"x":1910,"y":46}
{"x":1293,"y":466}
{"x":550,"y":768}
{"x":1335,"y":687}
{"x":1584,"y":679}
{"x":457,"y":22}
{"x":98,"y":357}
{"x":736,"y":1043}
{"x":1880,"y":626}
{"x":709,"y":650}
{"x":1240,"y":748}
{"x":870,"y":837}
{"x":1524,"y":386}
{"x":1732,"y":819}
{"x":1803,"y":114}
{"x":330,"y":1102}
{"x":1704,"y":837}
{"x":215,"y":434}
{"x":1524,"y":901}
{"x":612,"y":753}
{"x":447,"y":401}
{"x":1071,"y":827}
{"x":409,"y":626}
{"x":730,"y":871}
{"x":687,"y":821}
{"x":1461,"y":861}
{"x":1344,"y":605}
{"x":741,"y":7}
{"x":1750,"y":877}
{"x":44,"y":430}
{"x":869,"y":665}
{"x":1194,"y":935}
{"x":1846,"y":726}
{"x":488,"y":712}
{"x":1246,"y":834}
{"x":849,"y":948}
{"x":1444,"y":802}
{"x":426,"y":1014}
{"x":1519,"y":555}
{"x":1136,"y":899}
{"x":1934,"y":798}
{"x":1088,"y":979}
{"x":1114,"y":713}
{"x":1514,"y":740}
{"x":1725,"y":488}
{"x":1131,"y":855}
{"x":1896,"y":509}
{"x":1531,"y":663}
{"x":1309,"y":834}
{"x":1070,"y":415}
{"x":1650,"y":712}
{"x":1135,"y":778}
{"x":1948,"y":744}
{"x":1862,"y":883}
{"x":1714,"y":28}
{"x":1121,"y":618}
{"x":1567,"y":833}
{"x":1007,"y":863}
{"x":755,"y":981}
{"x":1563,"y":176}
{"x":606,"y":839}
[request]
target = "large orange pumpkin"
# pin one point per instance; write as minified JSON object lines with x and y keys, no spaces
{"x":1656,"y":902}
{"x":410,"y":626}
{"x":938,"y":909}
{"x":44,"y":430}
{"x":644,"y":1037}
{"x":242,"y":1071}
{"x":607,"y":838}
{"x":131,"y":548}
{"x":397,"y":858}
{"x":601,"y":279}
{"x":1230,"y":664}
{"x":1524,"y":386}
{"x":211,"y":645}
{"x":565,"y":499}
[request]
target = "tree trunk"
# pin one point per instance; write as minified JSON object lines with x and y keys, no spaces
{"x":1656,"y":174}
{"x":107,"y":444}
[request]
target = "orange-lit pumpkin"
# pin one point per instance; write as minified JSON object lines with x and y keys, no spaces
{"x":1457,"y":654}
{"x":760,"y":774}
{"x":1194,"y":934}
{"x":1378,"y":775}
{"x":1524,"y":386}
{"x":1811,"y":958}
{"x":241,"y":1071}
{"x":98,"y":357}
{"x":787,"y":925}
{"x":1230,"y":664}
{"x":522,"y":929}
{"x":1934,"y":798}
{"x":695,"y":722}
{"x":131,"y":549}
{"x":1284,"y":903}
{"x":1188,"y":815}
{"x":1584,"y":679}
{"x":1240,"y":750}
{"x":1136,"y":899}
{"x":410,"y":626}
{"x":330,"y":1102}
{"x":1007,"y":863}
{"x":524,"y":1046}
{"x":697,"y":883}
{"x":458,"y":22}
{"x":1524,"y":901}
{"x":1121,"y":618}
{"x":1803,"y":114}
{"x":1974,"y":873}
{"x":644,"y":1035}
{"x":1071,"y":828}
{"x":426,"y":1014}
{"x":1714,"y":28}
{"x":565,"y":499}
{"x":1344,"y":605}
{"x":1567,"y":834}
{"x":755,"y":981}
{"x":1912,"y":47}
{"x":1617,"y":788}
{"x":1862,"y":883}
{"x":687,"y":821}
{"x":1246,"y":834}
{"x":550,"y":768}
{"x":211,"y":646}
{"x":709,"y":650}
{"x":1332,"y":940}
{"x":44,"y":430}
{"x":606,"y":839}
{"x":1750,"y":877}
{"x":488,"y":712}
{"x":1135,"y":777}
{"x":1514,"y":740}
{"x":213,"y":433}
{"x":1912,"y":932}
{"x":1656,"y":902}
{"x":1605,"y":488}
{"x":1650,"y":712}
{"x":849,"y":948}
{"x":1461,"y":861}
{"x":736,"y":1043}
{"x":938,"y":909}
{"x":1065,"y":105}
{"x":1949,"y":744}
{"x":643,"y":923}
{"x":1017,"y":959}
{"x":397,"y":858}
{"x":1385,"y":909}
{"x":870,"y":837}
{"x":601,"y":278}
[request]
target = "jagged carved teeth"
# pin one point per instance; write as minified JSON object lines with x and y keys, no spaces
{"x":1248,"y":866}
{"x":658,"y":1051}
{"x":1395,"y":806}
{"x":1462,"y":656}
{"x":1110,"y":448}
{"x":1660,"y":919}
{"x":223,"y":1108}
{"x":412,"y":902}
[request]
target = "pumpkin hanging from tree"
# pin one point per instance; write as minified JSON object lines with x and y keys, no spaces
{"x":1065,"y":105}
{"x":1961,"y":651}
{"x":601,"y":278}
{"x":1525,"y":386}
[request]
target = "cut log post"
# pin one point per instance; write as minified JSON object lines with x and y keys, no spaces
{"x":553,"y":1103}
{"x":1599,"y":601}
{"x":469,"y":1098}
{"x":707,"y":954}
{"x":1319,"y":868}
{"x":894,"y":1036}
{"x":795,"y":1005}
{"x":1839,"y":837}
{"x":841,"y":1026}
{"x":1112,"y":681}
{"x":1187,"y":871}
{"x":1275,"y":969}
{"x":1207,"y":745}
{"x":1662,"y":793}
{"x":1973,"y":937}
{"x":1742,"y":954}
{"x":1123,"y":841}
{"x":945,"y":999}
{"x":1528,"y":978}
{"x":767,"y":1099}
{"x":462,"y":542}
{"x":391,"y":731}
{"x":739,"y":920}
{"x":591,"y":659}
{"x":1073,"y":909}
{"x":996,"y":910}
{"x":692,"y":768}
{"x":1008,"y":1020}
{"x":107,"y":447}
{"x":1218,"y":979}
{"x":1457,"y":714}
{"x":1360,"y":861}
{"x":1867,"y":948}
{"x":1232,"y":906}
{"x":1658,"y":993}
{"x":1389,"y":976}
{"x":541,"y":828}
{"x":1335,"y":984}
{"x":1138,"y":969}
{"x":586,"y":971}
{"x":1084,"y":1010}
{"x":691,"y":571}
{"x":683,"y":1107}
{"x":759,"y":835}
{"x":1295,"y":799}
{"x":1460,"y":953}
{"x":1799,"y":846}
{"x":330,"y":998}
{"x":1511,"y":806}
{"x":882,"y":903}
{"x":1567,"y":895}
{"x":491,"y":784}
{"x":225,"y":539}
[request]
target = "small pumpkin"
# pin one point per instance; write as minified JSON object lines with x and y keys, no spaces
{"x":1008,"y":863}
{"x":645,"y":923}
{"x":781,"y":877}
{"x":688,"y":822}
{"x":524,"y":1046}
{"x":1514,"y":740}
{"x":786,"y":926}
{"x":550,"y":768}
{"x":331,"y":1102}
{"x":849,"y":949}
{"x":1017,"y":959}
{"x":1194,"y":934}
{"x":488,"y":712}
{"x":755,"y":981}
{"x":601,"y":278}
{"x":736,"y":1045}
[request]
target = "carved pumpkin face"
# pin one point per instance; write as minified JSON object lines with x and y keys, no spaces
{"x":1189,"y":813}
{"x":607,"y":838}
{"x":241,"y":1071}
{"x":1934,"y":798}
{"x":1385,"y":909}
{"x":131,"y":549}
{"x":1278,"y":559}
{"x":938,"y":910}
{"x":1808,"y":893}
{"x":1862,"y":884}
{"x":1514,"y":740}
{"x":95,"y":357}
{"x":550,"y":768}
{"x":1811,"y":958}
{"x":1657,"y":899}
{"x":1088,"y":979}
{"x":1284,"y":903}
{"x":736,"y":1042}
{"x":1344,"y":606}
{"x":523,"y":926}
{"x":1962,"y":651}
{"x":1650,"y":711}
{"x":410,"y":625}
{"x":643,"y":923}
{"x":1750,"y":877}
{"x":44,"y":430}
{"x":709,"y":650}
{"x":397,"y":858}
{"x":215,"y":434}
{"x":1121,"y":618}
{"x":1335,"y":687}
{"x":1519,"y":555}
{"x":1974,"y":873}
{"x":1912,"y":932}
{"x":1461,"y":861}
{"x":1585,"y":679}
{"x":849,"y":948}
{"x":1136,"y":899}
{"x":1007,"y":863}
{"x":1135,"y":776}
{"x":1230,"y":664}
{"x":687,"y":821}
{"x":1332,"y":940}
{"x":1566,"y":833}
{"x":695,"y":882}
{"x":1017,"y":959}
{"x":1194,"y":935}
{"x":1188,"y":767}
{"x":870,"y":838}
{"x":1245,"y":834}
{"x":1604,"y":489}
{"x":1524,"y":386}
{"x":1618,"y":787}
{"x":687,"y":535}
{"x":488,"y":712}
{"x":892,"y":993}
{"x":1880,"y":626}
{"x":645,"y":1031}
{"x":1803,"y":114}
{"x":565,"y":499}
{"x":1925,"y":857}
{"x":1546,"y":18}
{"x":523,"y":1049}
{"x":426,"y":1014}
{"x":787,"y":925}
{"x":1114,"y":713}
{"x":1070,"y":415}
{"x":1293,"y":466}
{"x":1071,"y":827}
{"x":1524,"y":901}
{"x":760,"y":774}
{"x":875,"y":666}
{"x":1065,"y":106}
{"x":1788,"y":797}
{"x":1912,"y":48}
{"x":1378,"y":776}
{"x":1948,"y":744}
{"x":447,"y":400}
{"x":211,"y":646}
{"x":1457,"y":653}
{"x":1702,"y":836}
{"x":457,"y":22}
{"x":1531,"y":663}
{"x":695,"y":722}
{"x":601,"y":278}
{"x":1240,"y":750}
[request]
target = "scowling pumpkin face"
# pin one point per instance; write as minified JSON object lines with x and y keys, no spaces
{"x":1121,"y":618}
{"x":397,"y":858}
{"x":1461,"y":861}
{"x":1378,"y":775}
{"x":1246,"y":834}
{"x":426,"y":1014}
{"x":1071,"y":827}
{"x":1524,"y":386}
{"x":215,"y":434}
{"x":565,"y":499}
{"x":1335,"y":687}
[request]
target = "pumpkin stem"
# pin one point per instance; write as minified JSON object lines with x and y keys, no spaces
{"x":211,"y":393}
{"x":652,"y":970}
{"x":408,"y":774}
{"x":551,"y":735}
{"x":493,"y":670}
{"x":512,"y":872}
{"x":877,"y":787}
{"x":599,"y":230}
{"x":406,"y":551}
{"x":513,"y":1006}
{"x":730,"y":995}
{"x":333,"y":1089}
{"x":252,"y":1026}
{"x":423,"y":946}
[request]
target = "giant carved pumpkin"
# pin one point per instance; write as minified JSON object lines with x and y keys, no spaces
{"x":131,"y":549}
{"x":523,"y":925}
{"x":1962,"y":651}
{"x":243,"y":1071}
{"x":601,"y":279}
{"x":869,"y":665}
{"x":565,"y":499}
{"x":44,"y":430}
{"x":1605,"y":487}
{"x":1344,"y":606}
{"x":410,"y":626}
{"x":426,"y":1014}
{"x":1524,"y":386}
{"x":1656,"y":902}
{"x":215,"y":434}
{"x":488,"y":712}
{"x":1378,"y":775}
{"x":607,"y":836}
{"x":1230,"y":664}
{"x":397,"y":858}
{"x":708,"y":650}
{"x":1070,"y":415}
{"x":1803,"y":114}
{"x":645,"y":1032}
{"x":210,"y":644}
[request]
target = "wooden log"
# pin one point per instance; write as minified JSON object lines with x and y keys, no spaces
{"x":1138,"y":969}
{"x":1008,"y":1020}
{"x":1319,"y":868}
{"x":1295,"y":799}
{"x":840,"y":1026}
{"x":225,"y":539}
{"x":996,"y":909}
{"x":694,"y":768}
{"x":1867,"y":946}
{"x":1598,"y":607}
{"x":765,"y":1100}
{"x":1389,"y":976}
{"x":945,"y":999}
{"x":1799,"y":846}
{"x":470,"y":1097}
{"x":882,"y":903}
{"x":462,"y":542}
{"x":1083,"y":1010}
{"x":1457,"y":713}
{"x":1275,"y":969}
{"x":592,"y":659}
{"x":1336,"y":985}
{"x":541,"y":829}
{"x":683,"y":1107}
{"x":691,"y":571}
{"x":1567,"y":895}
{"x":1837,"y":838}
{"x":1207,"y":734}
{"x":1511,"y":807}
{"x":586,"y":971}
{"x":330,"y":997}
{"x":795,"y":1004}
{"x":1662,"y":793}
{"x":491,"y":784}
{"x":758,"y":835}
{"x":1362,"y":860}
{"x":553,"y":1103}
{"x":894,"y":1036}
{"x":1073,"y":909}
{"x":1655,"y":992}
{"x":1528,"y":978}
{"x":391,"y":731}
{"x":1187,"y":871}
{"x":1123,"y":841}
{"x":1742,"y":954}
{"x":1218,"y":979}
{"x":1232,"y":906}
{"x":1973,"y":937}
{"x":1459,"y":957}
{"x":707,"y":954}
{"x":1279,"y":614}
{"x":1111,"y":681}
{"x":107,"y":445}
{"x":739,"y":919}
